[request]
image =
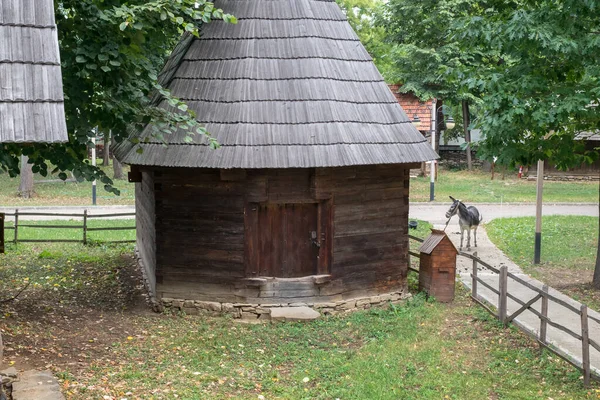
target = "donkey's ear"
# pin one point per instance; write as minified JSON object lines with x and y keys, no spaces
{"x":452,"y":198}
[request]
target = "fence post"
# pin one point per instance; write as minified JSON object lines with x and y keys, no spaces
{"x":16,"y":226}
{"x":585,"y":345}
{"x":543,"y":320}
{"x":502,"y":296}
{"x":474,"y":278}
{"x":85,"y":226}
{"x":2,"y":216}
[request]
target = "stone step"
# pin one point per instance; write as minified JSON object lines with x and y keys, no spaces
{"x":293,"y":314}
{"x":37,"y":385}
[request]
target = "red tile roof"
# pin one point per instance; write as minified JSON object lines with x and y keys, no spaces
{"x":412,"y":105}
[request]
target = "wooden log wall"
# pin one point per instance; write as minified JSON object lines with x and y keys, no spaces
{"x":201,"y":229}
{"x":145,"y":226}
{"x":370,"y":247}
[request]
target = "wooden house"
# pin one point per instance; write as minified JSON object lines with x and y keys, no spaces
{"x":306,"y":200}
{"x":31,"y":92}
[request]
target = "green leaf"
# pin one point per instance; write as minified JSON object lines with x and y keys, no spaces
{"x":105,"y":68}
{"x":123,"y":25}
{"x":80,"y":59}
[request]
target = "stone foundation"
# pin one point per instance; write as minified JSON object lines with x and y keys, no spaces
{"x":247,"y":311}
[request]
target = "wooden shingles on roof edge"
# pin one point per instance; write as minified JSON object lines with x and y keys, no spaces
{"x":31,"y":94}
{"x":289,"y":86}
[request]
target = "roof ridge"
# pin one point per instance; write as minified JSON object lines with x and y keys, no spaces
{"x":23,"y":25}
{"x":369,"y":60}
{"x":253,"y":38}
{"x":286,"y":100}
{"x":304,"y":123}
{"x":298,"y":78}
{"x":284,"y":144}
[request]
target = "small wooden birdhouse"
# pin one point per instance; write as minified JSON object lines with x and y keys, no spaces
{"x":437,"y":271}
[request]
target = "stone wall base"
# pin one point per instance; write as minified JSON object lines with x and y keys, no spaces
{"x":249,"y":311}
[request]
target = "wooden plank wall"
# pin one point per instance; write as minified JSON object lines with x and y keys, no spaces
{"x":370,"y":248}
{"x":145,"y":225}
{"x":200,"y":232}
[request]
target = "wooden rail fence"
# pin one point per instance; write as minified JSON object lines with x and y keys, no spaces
{"x":19,"y":224}
{"x":501,"y":312}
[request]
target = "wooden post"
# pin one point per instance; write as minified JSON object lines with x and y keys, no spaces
{"x":585,"y":345}
{"x":2,"y":216}
{"x":16,"y":226}
{"x":502,"y":296}
{"x":85,"y":225}
{"x":537,"y":247}
{"x":543,"y":322}
{"x":474,"y":277}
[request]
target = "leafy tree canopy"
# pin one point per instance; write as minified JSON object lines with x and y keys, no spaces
{"x":111,"y":53}
{"x":362,"y":16}
{"x":545,"y":88}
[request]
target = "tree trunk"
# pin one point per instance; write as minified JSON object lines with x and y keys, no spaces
{"x":117,"y":166}
{"x":26,"y":184}
{"x":466,"y":123}
{"x":596,"y":279}
{"x":106,"y":152}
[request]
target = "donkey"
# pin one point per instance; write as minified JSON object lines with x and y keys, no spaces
{"x":468,"y":218}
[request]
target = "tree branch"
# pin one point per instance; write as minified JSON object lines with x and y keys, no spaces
{"x":16,"y":295}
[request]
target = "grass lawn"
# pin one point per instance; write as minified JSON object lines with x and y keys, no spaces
{"x":476,"y":187}
{"x":82,"y":317}
{"x":569,"y":246}
{"x":59,"y":193}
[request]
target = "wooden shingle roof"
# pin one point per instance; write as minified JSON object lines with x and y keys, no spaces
{"x":31,"y":93}
{"x":289,"y":86}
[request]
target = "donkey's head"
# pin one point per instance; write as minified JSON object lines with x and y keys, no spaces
{"x":453,"y":208}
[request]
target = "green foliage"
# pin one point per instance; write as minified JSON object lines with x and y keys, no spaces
{"x":111,"y":54}
{"x":531,"y":68}
{"x":425,"y":53}
{"x":362,"y":15}
{"x":545,"y":87}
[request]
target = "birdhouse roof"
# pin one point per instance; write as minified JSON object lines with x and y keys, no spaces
{"x":288,"y":86}
{"x":31,"y":91}
{"x":433,"y":240}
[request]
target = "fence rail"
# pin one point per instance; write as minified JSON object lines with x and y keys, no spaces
{"x":501,"y":311}
{"x":18,"y":224}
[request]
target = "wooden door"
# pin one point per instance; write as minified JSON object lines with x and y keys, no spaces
{"x":286,"y":237}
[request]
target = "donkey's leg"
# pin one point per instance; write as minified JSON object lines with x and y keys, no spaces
{"x":468,"y":238}
{"x":462,"y":235}
{"x":475,"y":235}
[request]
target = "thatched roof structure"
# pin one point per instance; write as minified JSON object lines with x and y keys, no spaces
{"x":289,"y":86}
{"x":31,"y":93}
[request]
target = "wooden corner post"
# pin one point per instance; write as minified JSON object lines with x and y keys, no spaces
{"x":503,"y":295}
{"x":2,"y":216}
{"x":585,"y":346}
